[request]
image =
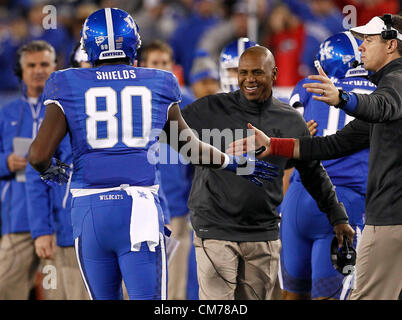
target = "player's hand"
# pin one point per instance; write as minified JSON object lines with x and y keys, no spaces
{"x":45,"y":247}
{"x":326,"y":90}
{"x":344,"y":229}
{"x":250,"y":144}
{"x":16,"y":163}
{"x":312,"y":127}
{"x":252,"y":169}
{"x":56,"y":174}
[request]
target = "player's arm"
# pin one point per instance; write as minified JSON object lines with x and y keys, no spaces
{"x":352,"y":138}
{"x":51,"y":132}
{"x":382,"y":105}
{"x":206,"y":155}
{"x":197,"y":151}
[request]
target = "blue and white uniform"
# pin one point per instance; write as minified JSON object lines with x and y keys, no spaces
{"x":115,"y":114}
{"x":306,"y":234}
{"x":20,"y":118}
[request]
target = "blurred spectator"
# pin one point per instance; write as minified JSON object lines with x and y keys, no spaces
{"x":234,"y":27}
{"x":14,"y":8}
{"x":321,"y":19}
{"x":58,"y":38}
{"x":12,"y":34}
{"x":74,"y":24}
{"x":214,"y":40}
{"x":185,"y":38}
{"x":158,"y":19}
{"x":129,"y":6}
{"x":204,"y":77}
{"x":285,"y":39}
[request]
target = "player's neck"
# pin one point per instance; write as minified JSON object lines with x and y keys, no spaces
{"x":112,"y":62}
{"x":34,"y":92}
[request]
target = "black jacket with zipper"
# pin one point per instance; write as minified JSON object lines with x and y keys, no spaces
{"x":378,"y":125}
{"x":225,"y":206}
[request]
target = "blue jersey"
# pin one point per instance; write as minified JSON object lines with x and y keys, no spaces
{"x":114,"y":114}
{"x":350,"y":171}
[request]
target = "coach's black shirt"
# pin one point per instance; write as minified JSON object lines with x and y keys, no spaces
{"x":225,"y":206}
{"x":380,"y":129}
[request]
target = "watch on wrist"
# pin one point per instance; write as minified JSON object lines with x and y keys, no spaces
{"x":343,"y":98}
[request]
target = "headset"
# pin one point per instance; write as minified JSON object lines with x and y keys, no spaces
{"x":389,"y":33}
{"x":17,"y":66}
{"x":73,"y":62}
{"x":343,"y":259}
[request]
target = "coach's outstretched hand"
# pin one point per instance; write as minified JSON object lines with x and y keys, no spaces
{"x":56,"y":174}
{"x":252,"y":169}
{"x":258,"y":141}
{"x":326,"y":90}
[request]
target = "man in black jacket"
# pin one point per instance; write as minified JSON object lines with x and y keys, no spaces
{"x":235,"y":222}
{"x":379,"y":127}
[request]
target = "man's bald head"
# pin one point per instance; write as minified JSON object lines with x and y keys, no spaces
{"x":260,"y":51}
{"x":257,"y":72}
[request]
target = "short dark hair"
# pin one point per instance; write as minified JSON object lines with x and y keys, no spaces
{"x":36,"y":46}
{"x":397,"y":24}
{"x":154,"y":46}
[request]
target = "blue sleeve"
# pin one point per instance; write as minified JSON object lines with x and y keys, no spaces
{"x":64,"y":151}
{"x":51,"y":92}
{"x":38,"y":204}
{"x":351,"y":105}
{"x":4,"y":171}
{"x":299,"y":94}
{"x":173,"y":89}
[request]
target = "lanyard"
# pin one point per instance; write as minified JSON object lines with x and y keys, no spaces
{"x":35,"y":111}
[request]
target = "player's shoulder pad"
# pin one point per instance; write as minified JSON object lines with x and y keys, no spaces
{"x":305,"y":80}
{"x":58,"y":73}
{"x":155,"y":72}
{"x":285,"y":107}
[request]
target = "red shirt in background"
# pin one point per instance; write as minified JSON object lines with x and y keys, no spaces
{"x":287,"y":47}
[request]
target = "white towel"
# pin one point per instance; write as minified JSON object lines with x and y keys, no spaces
{"x":144,"y":224}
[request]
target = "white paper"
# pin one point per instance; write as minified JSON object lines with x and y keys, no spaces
{"x":21,"y":148}
{"x":171,"y":246}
